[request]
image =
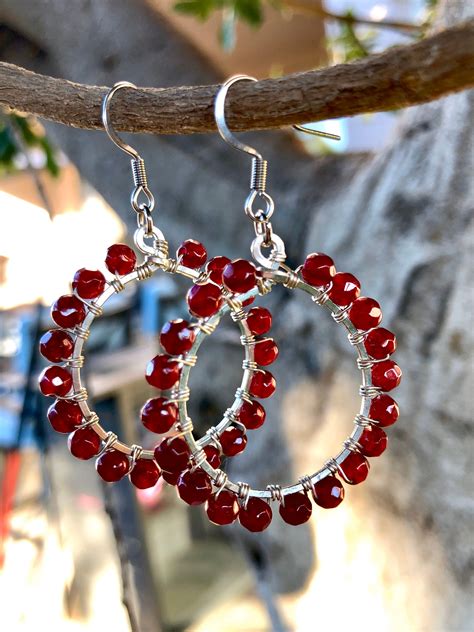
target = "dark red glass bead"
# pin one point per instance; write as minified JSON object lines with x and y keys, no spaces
{"x":55,"y":381}
{"x":162,"y":372}
{"x":345,"y":289}
{"x":265,"y":352}
{"x":120,"y":259}
{"x":172,"y":454}
{"x":259,"y":321}
{"x":215,"y":268}
{"x":170,"y":477}
{"x":112,"y":466}
{"x":84,"y":443}
{"x":213,"y":455}
{"x":194,"y":487}
{"x":159,"y":415}
{"x":204,"y":300}
{"x":233,"y":441}
{"x":88,"y":284}
{"x":222,"y":508}
{"x":177,"y":337}
{"x":373,"y":441}
{"x":251,"y":414}
{"x":64,"y":415}
{"x":192,"y":254}
{"x":380,"y":343}
{"x":262,"y":384}
{"x":239,"y":276}
{"x":384,"y":409}
{"x":56,"y":345}
{"x":355,"y":468}
{"x":68,"y":311}
{"x":296,"y":508}
{"x":328,"y":492}
{"x":318,"y":269}
{"x":145,"y":474}
{"x":256,"y":516}
{"x":365,"y":313}
{"x":386,"y":375}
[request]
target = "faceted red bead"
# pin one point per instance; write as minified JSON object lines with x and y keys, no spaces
{"x":84,"y":443}
{"x":365,"y":313}
{"x":222,"y":508}
{"x":170,"y":477}
{"x":373,"y":441}
{"x":68,"y":311}
{"x":265,"y":352}
{"x":328,"y":492}
{"x":194,"y":487}
{"x":386,"y":375}
{"x":384,"y":409}
{"x":233,"y":441}
{"x":120,"y":259}
{"x":380,"y":343}
{"x":318,"y":269}
{"x":192,"y":254}
{"x":162,"y":372}
{"x":262,"y":384}
{"x":55,"y":380}
{"x":88,"y":283}
{"x":213,"y":455}
{"x":239,"y":276}
{"x":172,"y":454}
{"x":256,"y":516}
{"x":64,"y":415}
{"x":215,"y":268}
{"x":296,"y":508}
{"x":145,"y":474}
{"x":345,"y":289}
{"x":204,"y":300}
{"x":112,"y":466}
{"x":159,"y":415}
{"x":251,"y":414}
{"x":354,"y":468}
{"x":259,"y":321}
{"x":177,"y":337}
{"x":56,"y":345}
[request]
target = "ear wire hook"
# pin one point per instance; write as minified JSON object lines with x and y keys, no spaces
{"x":111,"y":133}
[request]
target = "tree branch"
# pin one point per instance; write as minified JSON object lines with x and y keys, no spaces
{"x":399,"y":77}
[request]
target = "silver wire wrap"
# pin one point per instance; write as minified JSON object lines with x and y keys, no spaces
{"x":92,"y":419}
{"x":79,"y":396}
{"x":91,"y":306}
{"x":185,"y":426}
{"x":220,"y":482}
{"x":307,"y":484}
{"x":322,"y":297}
{"x":250,"y":365}
{"x":351,"y":444}
{"x":76,"y":363}
{"x":213,"y":434}
{"x":276,"y":493}
{"x":258,"y":176}
{"x":369,"y":391}
{"x":368,"y":363}
{"x":247,"y":340}
{"x":231,"y":416}
{"x":206,"y":328}
{"x":136,"y":453}
{"x":109,"y":442}
{"x":188,"y":360}
{"x":198,"y":459}
{"x":341,"y":314}
{"x":244,"y":493}
{"x":241,"y":393}
{"x":177,"y":395}
{"x":357,"y":338}
{"x":332,"y":465}
{"x":117,"y":285}
{"x":144,"y":271}
{"x":363,"y":421}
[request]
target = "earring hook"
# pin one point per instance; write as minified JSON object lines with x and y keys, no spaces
{"x":111,"y":133}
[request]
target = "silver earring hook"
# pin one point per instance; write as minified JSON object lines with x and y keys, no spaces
{"x":111,"y":133}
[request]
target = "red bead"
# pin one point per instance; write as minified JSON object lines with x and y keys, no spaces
{"x":384,"y":409}
{"x":251,"y":414}
{"x":162,"y":372}
{"x":373,"y":441}
{"x":354,"y":468}
{"x":84,"y":443}
{"x":170,"y":477}
{"x":365,"y":313}
{"x":204,"y":300}
{"x":256,"y":516}
{"x":172,"y":454}
{"x":145,"y":474}
{"x":55,"y":380}
{"x":68,"y":311}
{"x":64,"y":415}
{"x":345,"y":289}
{"x":177,"y":337}
{"x":56,"y":345}
{"x":194,"y":487}
{"x":386,"y":375}
{"x":112,"y":466}
{"x":239,"y":276}
{"x":120,"y":259}
{"x":296,"y":508}
{"x":222,"y":508}
{"x":213,"y":455}
{"x":259,"y":321}
{"x":192,"y":254}
{"x":88,"y":283}
{"x":215,"y":268}
{"x":159,"y":415}
{"x":262,"y":384}
{"x":318,"y":269}
{"x":233,"y":441}
{"x":380,"y":343}
{"x":265,"y":352}
{"x":328,"y":492}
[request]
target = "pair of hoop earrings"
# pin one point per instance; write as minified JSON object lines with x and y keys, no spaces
{"x":219,"y":287}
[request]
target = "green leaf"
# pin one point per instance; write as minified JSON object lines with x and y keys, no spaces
{"x":250,"y":11}
{"x":201,"y":9}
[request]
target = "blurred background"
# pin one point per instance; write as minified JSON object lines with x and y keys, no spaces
{"x":391,"y":202}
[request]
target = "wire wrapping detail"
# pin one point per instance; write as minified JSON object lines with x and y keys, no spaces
{"x":307,"y":484}
{"x":369,"y":391}
{"x":276,"y":493}
{"x":244,"y":493}
{"x":332,"y":465}
{"x":351,"y":444}
{"x":177,"y":395}
{"x":117,"y":285}
{"x":363,"y":421}
{"x":241,"y":393}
